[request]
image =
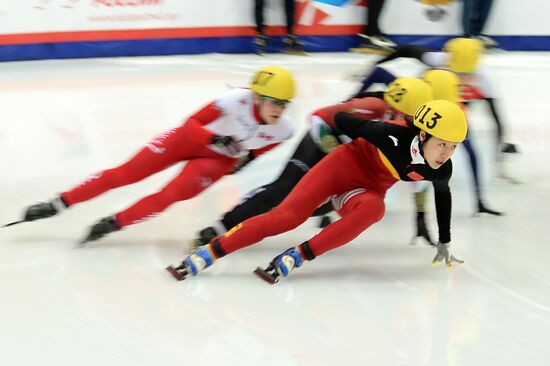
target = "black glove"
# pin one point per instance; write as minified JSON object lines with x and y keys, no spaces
{"x":227,"y":143}
{"x":422,"y":230}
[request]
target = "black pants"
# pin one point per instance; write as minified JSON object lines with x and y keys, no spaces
{"x":373,"y":13}
{"x":263,"y":199}
{"x":259,"y":15}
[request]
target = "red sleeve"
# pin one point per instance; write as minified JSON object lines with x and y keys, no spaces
{"x":469,"y":92}
{"x":207,"y":114}
{"x":263,"y":150}
{"x":366,"y":108}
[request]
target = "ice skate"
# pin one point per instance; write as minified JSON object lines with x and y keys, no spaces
{"x":487,"y":41}
{"x":260,"y":43}
{"x":40,"y":210}
{"x":508,"y":148}
{"x":481,"y":208}
{"x":422,"y":231}
{"x":201,"y":259}
{"x":293,"y":45}
{"x":281,"y":265}
{"x":105,"y":226}
{"x":204,"y":237}
{"x":374,"y":45}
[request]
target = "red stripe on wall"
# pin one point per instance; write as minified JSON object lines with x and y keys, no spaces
{"x":133,"y":34}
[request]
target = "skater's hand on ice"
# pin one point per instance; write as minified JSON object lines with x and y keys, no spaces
{"x":443,"y":253}
{"x":228,"y":143}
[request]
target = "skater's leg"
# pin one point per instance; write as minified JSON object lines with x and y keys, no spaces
{"x":326,"y":178}
{"x":263,"y":199}
{"x":161,"y":152}
{"x":358,"y":213}
{"x":259,"y":16}
{"x":195,"y":177}
{"x":361,"y":210}
{"x":373,"y":13}
{"x":289,"y":13}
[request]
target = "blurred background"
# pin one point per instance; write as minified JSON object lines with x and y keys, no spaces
{"x":85,"y":83}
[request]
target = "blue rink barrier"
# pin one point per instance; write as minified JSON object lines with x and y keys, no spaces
{"x":186,"y":46}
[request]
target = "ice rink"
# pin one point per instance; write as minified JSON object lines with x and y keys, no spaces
{"x":376,"y":301}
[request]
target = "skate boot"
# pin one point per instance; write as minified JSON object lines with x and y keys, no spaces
{"x":204,"y":237}
{"x":481,"y":208}
{"x":293,"y":45}
{"x":41,"y":210}
{"x":281,"y":265}
{"x":487,"y":41}
{"x":508,"y":148}
{"x":422,"y":230}
{"x":194,"y":263}
{"x":260,"y":42}
{"x":105,"y":226}
{"x":374,"y":44}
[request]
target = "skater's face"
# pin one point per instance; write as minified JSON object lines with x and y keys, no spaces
{"x":436,"y":151}
{"x":271,"y":109}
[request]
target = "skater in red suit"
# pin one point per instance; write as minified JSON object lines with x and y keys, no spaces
{"x":322,"y":138}
{"x":357,"y":176}
{"x":243,"y":122}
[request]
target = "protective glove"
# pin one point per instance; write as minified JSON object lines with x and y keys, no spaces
{"x":444,"y":254}
{"x":328,"y":141}
{"x":227,"y":143}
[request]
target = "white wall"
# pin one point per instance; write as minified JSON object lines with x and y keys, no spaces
{"x":509,"y":17}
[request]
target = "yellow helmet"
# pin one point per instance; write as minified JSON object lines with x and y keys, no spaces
{"x":463,"y":54}
{"x":445,"y":84}
{"x":274,"y":82}
{"x":407,"y":94}
{"x":443,"y":119}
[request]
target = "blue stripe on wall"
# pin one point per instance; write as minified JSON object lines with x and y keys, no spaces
{"x":230,"y":45}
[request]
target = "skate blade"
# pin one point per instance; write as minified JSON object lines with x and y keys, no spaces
{"x":178,"y":276}
{"x":373,"y":51}
{"x":295,"y":52}
{"x":14,"y":223}
{"x":260,"y":272}
{"x":82,"y":243}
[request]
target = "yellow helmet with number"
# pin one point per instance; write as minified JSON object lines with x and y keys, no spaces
{"x":274,"y":82}
{"x":407,"y":94}
{"x":445,"y":84}
{"x":443,"y":119}
{"x":463,"y":54}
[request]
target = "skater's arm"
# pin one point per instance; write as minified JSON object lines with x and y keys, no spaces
{"x":378,"y":75}
{"x":371,"y":94}
{"x":194,"y":129}
{"x":372,"y":131}
{"x":207,"y":114}
{"x":443,"y":205}
{"x":408,"y":51}
{"x":257,"y":152}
